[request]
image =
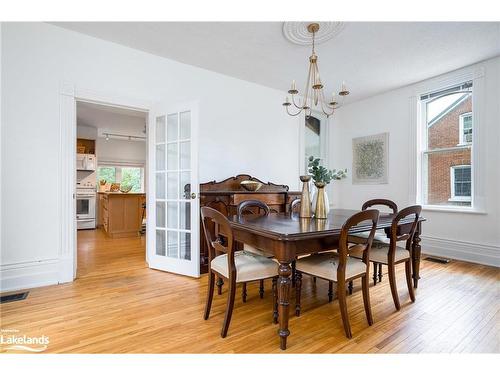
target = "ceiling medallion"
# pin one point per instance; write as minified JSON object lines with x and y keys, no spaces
{"x":313,"y":96}
{"x":297,"y":33}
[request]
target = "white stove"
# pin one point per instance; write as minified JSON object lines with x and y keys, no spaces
{"x":85,"y":206}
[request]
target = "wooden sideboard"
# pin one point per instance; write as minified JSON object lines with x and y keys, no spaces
{"x":225,"y":196}
{"x":120,"y":214}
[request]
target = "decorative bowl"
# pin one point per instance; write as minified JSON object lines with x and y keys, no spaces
{"x":125,"y":188}
{"x":251,"y":185}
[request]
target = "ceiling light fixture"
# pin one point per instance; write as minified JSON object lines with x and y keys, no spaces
{"x":313,"y":93}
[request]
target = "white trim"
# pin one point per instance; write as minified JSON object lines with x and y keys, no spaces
{"x":462,"y":209}
{"x":418,"y":140}
{"x":461,"y":250}
{"x":461,"y":141}
{"x":29,"y":275}
{"x":69,"y":95}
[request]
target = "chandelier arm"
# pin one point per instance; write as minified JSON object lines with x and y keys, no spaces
{"x":295,"y":104}
{"x":293,"y":114}
{"x":329,"y":111}
{"x":307,"y":88}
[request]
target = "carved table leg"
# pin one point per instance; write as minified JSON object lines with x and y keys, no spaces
{"x":298,"y":291}
{"x":275,"y":300}
{"x":380,"y":272}
{"x":349,"y":287}
{"x":375,"y":273}
{"x":244,"y":292}
{"x":416,"y":253}
{"x":220,"y":282}
{"x":284,"y":281}
{"x":293,"y":274}
{"x":261,"y":289}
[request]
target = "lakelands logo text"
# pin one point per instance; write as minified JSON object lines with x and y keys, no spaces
{"x":10,"y":339}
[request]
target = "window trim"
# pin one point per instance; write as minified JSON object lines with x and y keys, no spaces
{"x":476,"y":73}
{"x":118,"y":171}
{"x":461,"y":128}
{"x":460,"y":198}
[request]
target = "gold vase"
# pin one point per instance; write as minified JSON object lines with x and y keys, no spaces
{"x":321,"y":209}
{"x":305,"y":199}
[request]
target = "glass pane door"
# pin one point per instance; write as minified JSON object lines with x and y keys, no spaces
{"x":176,"y":226}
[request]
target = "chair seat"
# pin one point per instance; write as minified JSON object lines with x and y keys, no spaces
{"x":325,"y":265}
{"x":249,"y":266}
{"x":380,"y":237}
{"x":378,"y":254}
{"x":254,"y":250}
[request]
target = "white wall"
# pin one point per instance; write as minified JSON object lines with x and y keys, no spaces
{"x":468,"y":236}
{"x":243,"y":129}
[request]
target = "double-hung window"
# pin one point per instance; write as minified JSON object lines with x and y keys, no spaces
{"x":446,"y":147}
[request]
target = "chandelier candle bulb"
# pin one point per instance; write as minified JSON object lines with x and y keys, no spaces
{"x":293,"y":85}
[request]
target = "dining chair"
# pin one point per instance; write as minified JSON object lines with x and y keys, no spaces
{"x":295,"y":205}
{"x":340,"y":267}
{"x":391,"y":254}
{"x":234,"y":266}
{"x":380,"y":236}
{"x":253,"y":207}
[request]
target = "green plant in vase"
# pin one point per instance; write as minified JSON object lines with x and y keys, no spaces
{"x":322,"y":176}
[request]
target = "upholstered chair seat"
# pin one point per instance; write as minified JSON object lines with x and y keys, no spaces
{"x":253,"y":250}
{"x":324,"y":265}
{"x":249,"y":267}
{"x":380,"y":253}
{"x":380,"y":237}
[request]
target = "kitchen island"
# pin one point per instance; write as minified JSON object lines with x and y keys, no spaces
{"x":120,"y":214}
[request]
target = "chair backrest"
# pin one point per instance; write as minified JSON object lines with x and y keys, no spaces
{"x":295,"y":205}
{"x":252,"y":207}
{"x":380,"y":202}
{"x":405,"y":232}
{"x":354,"y":220}
{"x":218,"y":235}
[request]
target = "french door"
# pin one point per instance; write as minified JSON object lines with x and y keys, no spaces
{"x":173,"y":203}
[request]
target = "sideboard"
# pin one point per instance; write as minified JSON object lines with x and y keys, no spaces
{"x":224,"y":196}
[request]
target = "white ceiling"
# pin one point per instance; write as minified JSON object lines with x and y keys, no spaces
{"x":372,"y":57}
{"x":110,"y":119}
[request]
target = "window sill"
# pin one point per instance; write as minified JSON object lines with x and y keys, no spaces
{"x":456,"y":199}
{"x":462,"y":210}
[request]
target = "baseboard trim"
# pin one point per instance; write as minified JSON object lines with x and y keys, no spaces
{"x":461,"y":250}
{"x":29,"y":275}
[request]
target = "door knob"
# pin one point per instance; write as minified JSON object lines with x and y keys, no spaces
{"x":193,"y":195}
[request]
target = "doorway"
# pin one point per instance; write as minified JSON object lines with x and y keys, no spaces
{"x":111,"y":183}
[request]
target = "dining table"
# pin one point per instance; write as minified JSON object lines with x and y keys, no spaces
{"x":287,"y":236}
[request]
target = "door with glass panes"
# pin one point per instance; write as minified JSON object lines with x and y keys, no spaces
{"x":173,"y":205}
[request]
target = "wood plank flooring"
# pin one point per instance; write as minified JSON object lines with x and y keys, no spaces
{"x":118,"y":305}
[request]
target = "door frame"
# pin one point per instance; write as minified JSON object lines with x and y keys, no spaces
{"x":69,"y":95}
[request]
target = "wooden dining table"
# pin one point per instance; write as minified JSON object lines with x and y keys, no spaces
{"x":287,"y":236}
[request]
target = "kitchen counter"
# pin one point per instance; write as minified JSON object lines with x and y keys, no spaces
{"x":120,"y":214}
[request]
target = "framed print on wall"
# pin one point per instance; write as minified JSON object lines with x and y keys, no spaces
{"x":370,"y":159}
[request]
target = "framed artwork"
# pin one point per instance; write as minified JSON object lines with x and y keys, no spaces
{"x":370,"y":159}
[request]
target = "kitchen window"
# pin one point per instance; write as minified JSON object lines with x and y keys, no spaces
{"x":125,"y":175}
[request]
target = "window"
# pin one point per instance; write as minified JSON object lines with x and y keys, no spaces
{"x":466,"y":128}
{"x":461,"y":186}
{"x":125,"y":175}
{"x":446,"y":147}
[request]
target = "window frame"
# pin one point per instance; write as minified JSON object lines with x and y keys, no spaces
{"x":461,"y":128}
{"x":459,"y":198}
{"x":118,"y":172}
{"x":478,"y":75}
{"x":422,"y":146}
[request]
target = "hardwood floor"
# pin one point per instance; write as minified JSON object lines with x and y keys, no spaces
{"x":118,"y":305}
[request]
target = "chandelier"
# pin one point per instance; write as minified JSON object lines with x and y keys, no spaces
{"x":313,"y":93}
